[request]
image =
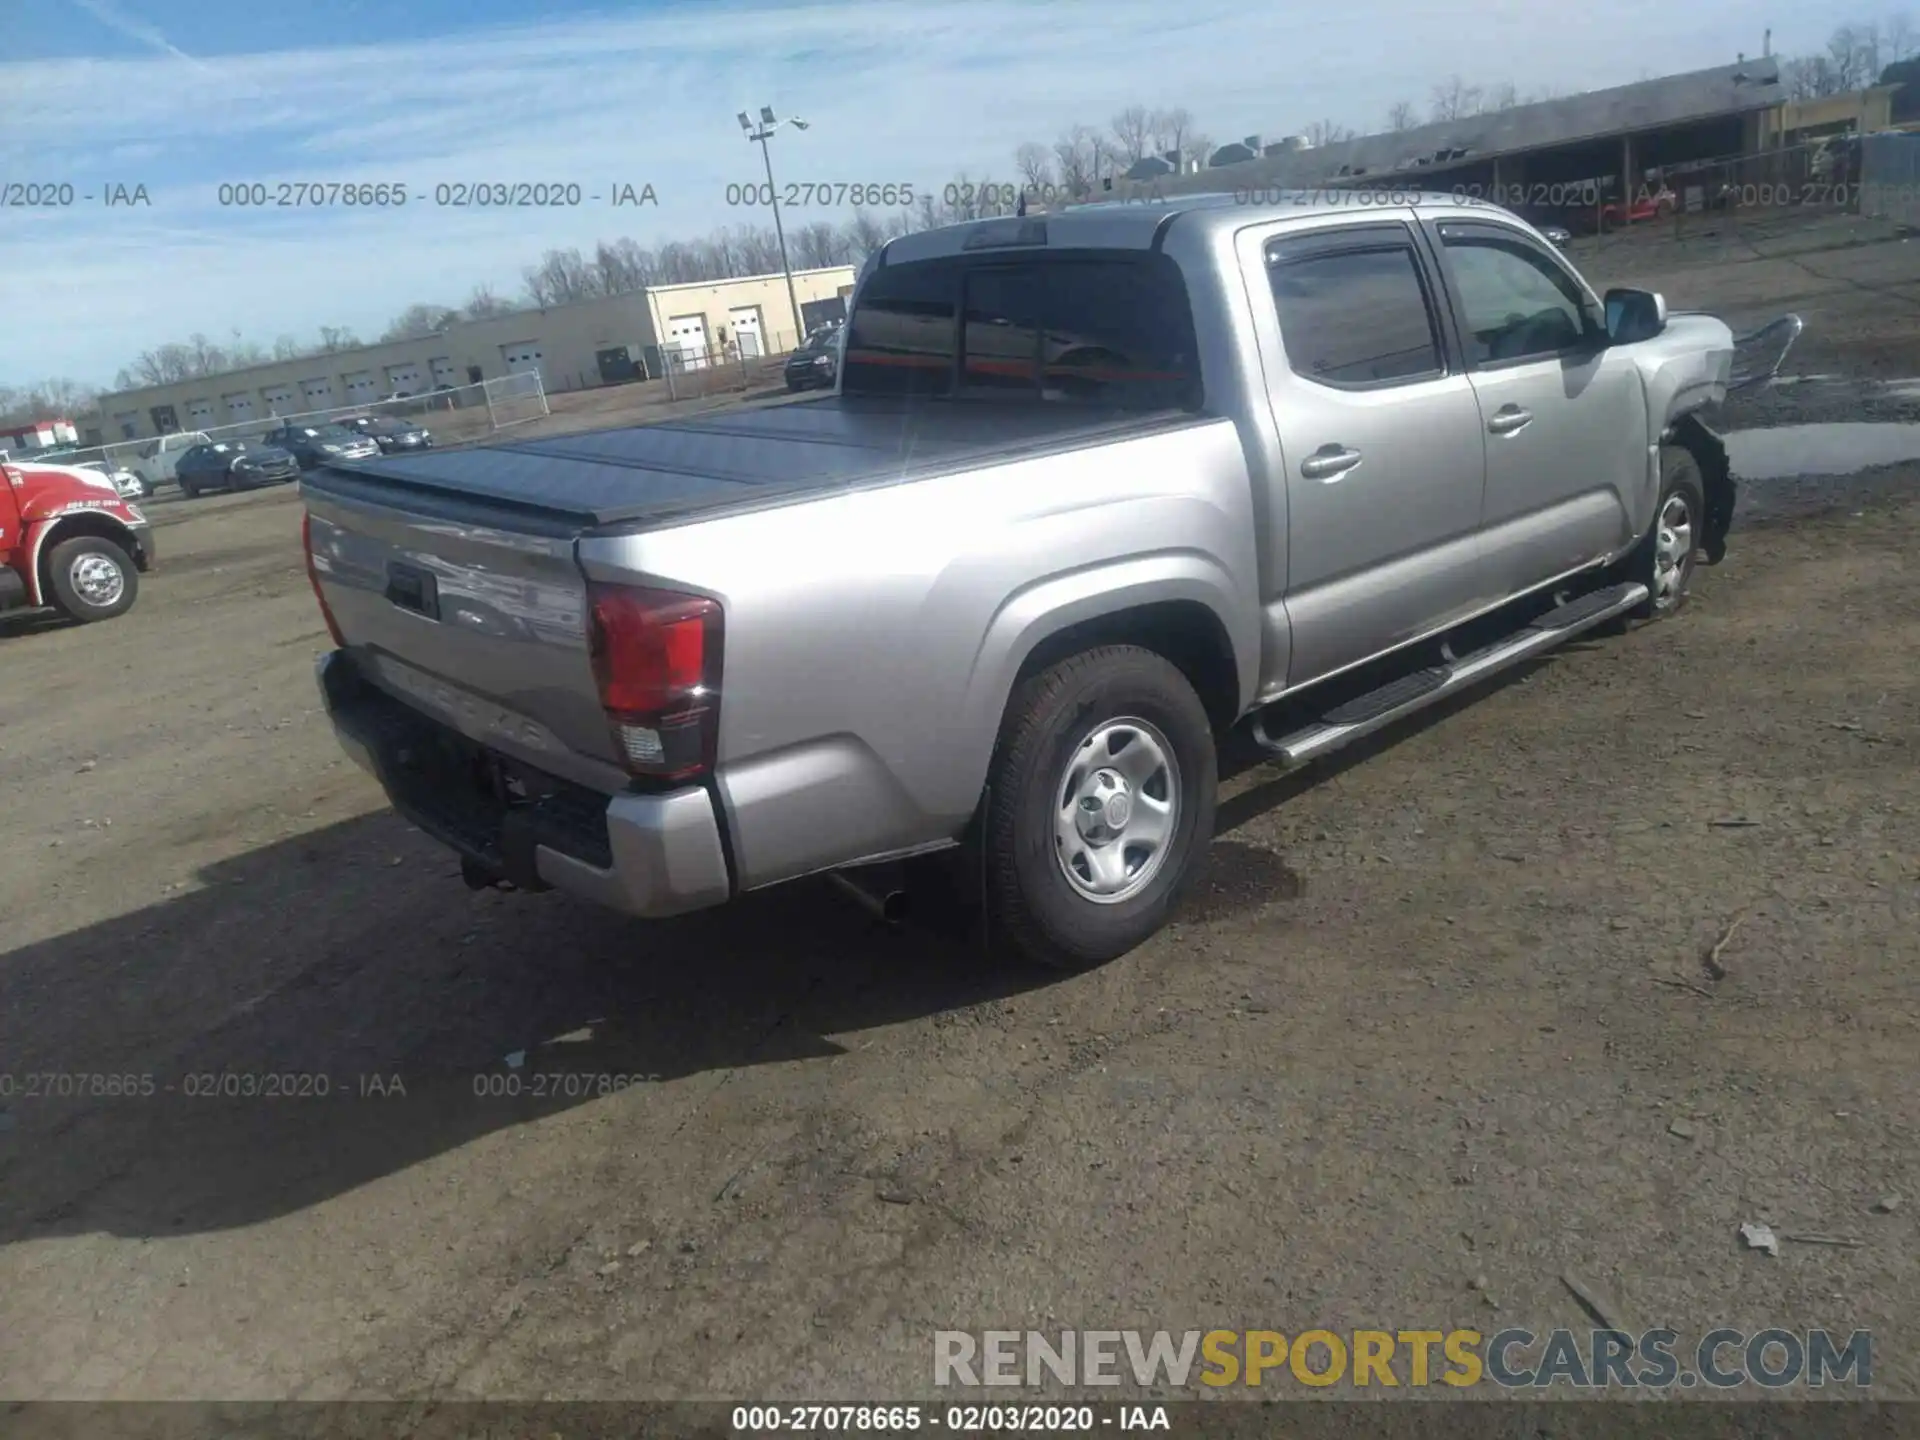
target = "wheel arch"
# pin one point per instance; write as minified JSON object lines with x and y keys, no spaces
{"x":1187,"y":633}
{"x":1709,"y":451}
{"x":61,"y":528}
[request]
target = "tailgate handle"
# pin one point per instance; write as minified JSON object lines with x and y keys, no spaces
{"x":412,"y":588}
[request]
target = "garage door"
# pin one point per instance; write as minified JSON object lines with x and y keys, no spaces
{"x":280,"y":400}
{"x":688,"y":335}
{"x":405,"y":377}
{"x":239,"y":407}
{"x":319,"y":392}
{"x":361,"y":386}
{"x":445,"y":372}
{"x":199,"y":414}
{"x":523,"y":357}
{"x":745,"y":324}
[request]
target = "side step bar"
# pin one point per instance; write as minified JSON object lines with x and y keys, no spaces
{"x":1397,"y":698}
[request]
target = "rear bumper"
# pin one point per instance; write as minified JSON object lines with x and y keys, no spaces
{"x":647,"y":855}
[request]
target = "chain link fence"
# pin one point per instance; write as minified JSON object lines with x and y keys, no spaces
{"x":695,"y":368}
{"x":1890,"y":177}
{"x":453,"y":415}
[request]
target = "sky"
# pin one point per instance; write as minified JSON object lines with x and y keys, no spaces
{"x":183,"y":96}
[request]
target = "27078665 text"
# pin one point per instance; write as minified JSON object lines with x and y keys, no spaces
{"x":822,"y":194}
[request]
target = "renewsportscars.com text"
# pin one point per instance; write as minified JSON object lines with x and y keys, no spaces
{"x":1512,"y":1358}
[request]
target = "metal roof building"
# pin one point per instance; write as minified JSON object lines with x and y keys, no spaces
{"x":1625,"y":130}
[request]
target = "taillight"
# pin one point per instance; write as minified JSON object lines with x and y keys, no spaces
{"x":313,"y":578}
{"x":656,"y":657}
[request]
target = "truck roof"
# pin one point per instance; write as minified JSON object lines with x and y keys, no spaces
{"x":1136,"y":224}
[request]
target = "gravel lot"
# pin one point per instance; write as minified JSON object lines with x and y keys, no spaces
{"x":1440,"y":1014}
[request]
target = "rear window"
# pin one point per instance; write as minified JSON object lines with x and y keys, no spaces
{"x":1100,"y":328}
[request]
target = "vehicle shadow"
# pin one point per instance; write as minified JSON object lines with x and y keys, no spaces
{"x":337,"y":1007}
{"x":334,"y":1008}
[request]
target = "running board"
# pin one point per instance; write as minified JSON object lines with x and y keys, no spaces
{"x":1397,"y":698}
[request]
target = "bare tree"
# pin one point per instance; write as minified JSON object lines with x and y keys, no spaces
{"x":561,"y":278}
{"x":1454,"y":99}
{"x":1132,"y":135}
{"x":285,"y":347}
{"x":1327,"y":132}
{"x":1172,"y":131}
{"x":1035,"y":164}
{"x":483,"y":304}
{"x":1503,"y":96}
{"x":1898,"y":39}
{"x":417,"y":321}
{"x":336,"y":337}
{"x":1078,"y":156}
{"x":51,"y":399}
{"x":1402,"y":116}
{"x":203,"y":356}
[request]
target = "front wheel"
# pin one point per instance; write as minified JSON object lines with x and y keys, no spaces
{"x":1669,"y":553}
{"x":1100,"y":802}
{"x":91,"y":578}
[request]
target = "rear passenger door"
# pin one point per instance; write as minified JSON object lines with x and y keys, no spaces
{"x":1565,"y":417}
{"x":1382,"y":442}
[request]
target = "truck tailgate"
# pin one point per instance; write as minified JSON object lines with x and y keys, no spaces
{"x":478,"y":619}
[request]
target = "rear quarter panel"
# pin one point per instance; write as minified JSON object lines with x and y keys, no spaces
{"x":873,"y":637}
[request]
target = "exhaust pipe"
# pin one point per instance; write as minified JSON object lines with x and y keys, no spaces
{"x":888,"y":905}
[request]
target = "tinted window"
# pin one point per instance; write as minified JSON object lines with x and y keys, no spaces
{"x":1514,"y":302}
{"x":1111,"y":330}
{"x":1355,"y":317}
{"x":901,"y":337}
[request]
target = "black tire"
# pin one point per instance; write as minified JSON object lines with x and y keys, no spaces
{"x":191,"y":491}
{"x":1681,"y":484}
{"x":1032,"y":906}
{"x":71,"y":595}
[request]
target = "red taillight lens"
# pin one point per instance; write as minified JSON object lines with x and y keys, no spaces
{"x":313,"y":579}
{"x":656,"y":658}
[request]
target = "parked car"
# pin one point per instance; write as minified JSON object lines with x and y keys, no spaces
{"x":312,"y":445}
{"x":1333,"y":466}
{"x":126,"y":483}
{"x":814,"y":366}
{"x":233,"y":465}
{"x":69,"y":541}
{"x":390,"y":432}
{"x":1645,"y":205}
{"x":159,"y":458}
{"x":1551,"y":223}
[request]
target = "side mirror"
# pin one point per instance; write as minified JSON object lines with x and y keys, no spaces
{"x":1634,"y":315}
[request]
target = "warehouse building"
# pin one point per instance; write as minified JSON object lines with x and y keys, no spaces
{"x":595,"y":342}
{"x":1535,"y":154}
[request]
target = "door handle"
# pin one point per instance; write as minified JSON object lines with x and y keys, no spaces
{"x":1329,"y":462}
{"x":1509,"y":420}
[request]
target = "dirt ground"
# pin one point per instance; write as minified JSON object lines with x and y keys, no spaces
{"x":1431,"y":1021}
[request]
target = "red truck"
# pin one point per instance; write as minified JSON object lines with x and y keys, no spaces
{"x":70,"y":542}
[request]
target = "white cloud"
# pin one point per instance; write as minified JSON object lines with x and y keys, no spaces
{"x":895,"y":90}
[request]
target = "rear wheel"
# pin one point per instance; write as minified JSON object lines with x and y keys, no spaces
{"x":1100,"y":801}
{"x":91,"y":578}
{"x":189,"y":489}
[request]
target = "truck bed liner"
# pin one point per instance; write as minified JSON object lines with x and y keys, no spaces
{"x":674,"y":470}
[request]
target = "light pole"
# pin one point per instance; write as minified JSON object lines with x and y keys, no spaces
{"x":763,"y":133}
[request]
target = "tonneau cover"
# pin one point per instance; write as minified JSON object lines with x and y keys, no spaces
{"x":676,"y":468}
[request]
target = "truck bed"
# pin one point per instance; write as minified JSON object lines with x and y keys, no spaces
{"x":677,"y":470}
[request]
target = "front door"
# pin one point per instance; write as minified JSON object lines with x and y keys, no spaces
{"x":1565,"y":417}
{"x":1381,"y":441}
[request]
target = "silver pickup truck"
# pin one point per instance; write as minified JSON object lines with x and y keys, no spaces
{"x":1093,"y":488}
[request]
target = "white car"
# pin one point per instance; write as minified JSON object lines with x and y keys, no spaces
{"x":127,"y":482}
{"x":159,"y":458}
